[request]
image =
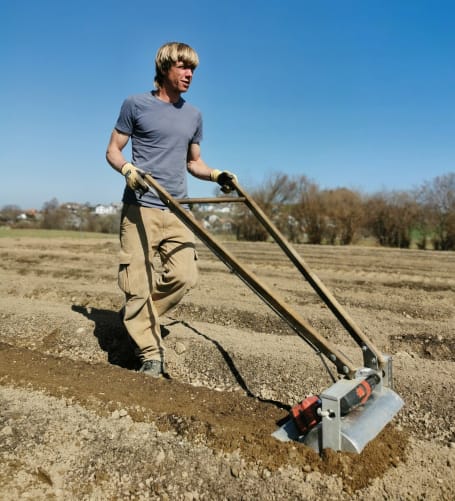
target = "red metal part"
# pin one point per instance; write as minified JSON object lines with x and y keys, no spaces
{"x":305,"y":414}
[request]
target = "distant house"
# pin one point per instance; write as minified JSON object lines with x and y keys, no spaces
{"x":71,"y":207}
{"x":216,"y":223}
{"x":31,"y":213}
{"x":205,"y":208}
{"x":104,"y":210}
{"x":28,"y":215}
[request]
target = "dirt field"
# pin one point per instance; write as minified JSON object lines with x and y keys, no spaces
{"x":77,"y":421}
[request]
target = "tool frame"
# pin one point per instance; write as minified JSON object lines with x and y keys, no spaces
{"x":372,"y":357}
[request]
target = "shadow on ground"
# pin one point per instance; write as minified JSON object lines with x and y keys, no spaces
{"x":230,"y":363}
{"x":112,"y":336}
{"x":113,"y":339}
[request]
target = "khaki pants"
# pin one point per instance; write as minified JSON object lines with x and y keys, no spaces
{"x":144,"y":232}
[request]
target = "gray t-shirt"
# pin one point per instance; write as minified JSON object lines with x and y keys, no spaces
{"x":160,"y":136}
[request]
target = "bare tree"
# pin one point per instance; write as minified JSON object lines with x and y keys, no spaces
{"x":437,"y":198}
{"x":53,"y":215}
{"x":276,"y":198}
{"x":344,"y":209}
{"x":392,"y":218}
{"x":9,"y":213}
{"x":312,"y":212}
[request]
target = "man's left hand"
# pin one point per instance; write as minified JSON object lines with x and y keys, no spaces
{"x":224,"y":179}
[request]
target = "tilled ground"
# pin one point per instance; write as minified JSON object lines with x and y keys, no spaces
{"x":78,"y":422}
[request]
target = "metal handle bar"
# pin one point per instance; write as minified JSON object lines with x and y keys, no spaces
{"x":295,"y":321}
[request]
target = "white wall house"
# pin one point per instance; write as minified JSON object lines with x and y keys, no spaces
{"x":103,"y":210}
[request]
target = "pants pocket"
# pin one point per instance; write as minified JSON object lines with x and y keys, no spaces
{"x":123,"y":272}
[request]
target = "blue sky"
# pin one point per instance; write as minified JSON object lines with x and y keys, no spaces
{"x":351,"y":93}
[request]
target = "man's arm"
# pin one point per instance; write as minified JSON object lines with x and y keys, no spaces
{"x":114,"y":154}
{"x":133,"y":175}
{"x":196,"y":166}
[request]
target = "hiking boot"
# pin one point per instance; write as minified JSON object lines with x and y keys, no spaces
{"x":152,"y":368}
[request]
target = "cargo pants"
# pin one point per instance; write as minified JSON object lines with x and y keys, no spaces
{"x":149,"y":293}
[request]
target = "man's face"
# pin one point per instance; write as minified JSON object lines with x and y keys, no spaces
{"x":179,"y":77}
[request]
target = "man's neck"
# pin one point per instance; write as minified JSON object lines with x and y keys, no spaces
{"x":167,"y":96}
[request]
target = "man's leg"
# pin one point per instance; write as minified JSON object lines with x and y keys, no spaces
{"x":138,"y":235}
{"x":178,"y":256}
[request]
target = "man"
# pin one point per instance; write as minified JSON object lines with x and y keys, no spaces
{"x":165,"y":134}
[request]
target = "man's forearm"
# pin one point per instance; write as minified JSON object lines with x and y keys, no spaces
{"x":198,"y":168}
{"x":114,"y":155}
{"x":115,"y":159}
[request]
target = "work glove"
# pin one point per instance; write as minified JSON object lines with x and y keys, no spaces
{"x":224,"y":179}
{"x":134,"y":178}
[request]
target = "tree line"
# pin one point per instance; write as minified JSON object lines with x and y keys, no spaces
{"x":56,"y":216}
{"x":305,"y":213}
{"x":423,"y":217}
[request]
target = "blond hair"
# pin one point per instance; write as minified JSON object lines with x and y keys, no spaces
{"x":171,"y":53}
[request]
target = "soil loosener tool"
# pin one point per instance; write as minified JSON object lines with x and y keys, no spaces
{"x":351,"y":412}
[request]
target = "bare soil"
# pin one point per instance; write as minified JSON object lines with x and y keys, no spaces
{"x":77,"y":421}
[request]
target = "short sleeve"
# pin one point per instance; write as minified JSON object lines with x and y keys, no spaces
{"x":197,"y":137}
{"x":125,"y":121}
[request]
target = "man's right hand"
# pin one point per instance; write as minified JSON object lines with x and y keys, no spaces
{"x":134,"y":178}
